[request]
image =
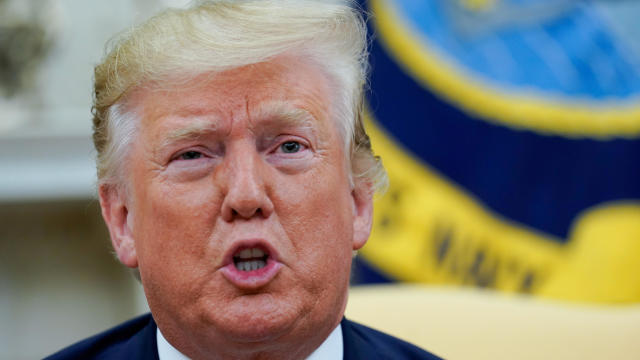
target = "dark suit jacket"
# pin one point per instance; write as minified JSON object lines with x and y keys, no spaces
{"x":136,"y":339}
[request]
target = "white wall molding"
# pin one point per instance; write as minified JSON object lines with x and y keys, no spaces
{"x":37,"y":166}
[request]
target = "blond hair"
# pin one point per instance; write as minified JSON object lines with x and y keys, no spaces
{"x":214,"y":36}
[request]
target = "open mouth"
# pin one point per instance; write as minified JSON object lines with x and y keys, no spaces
{"x":250,"y":259}
{"x":251,"y":264}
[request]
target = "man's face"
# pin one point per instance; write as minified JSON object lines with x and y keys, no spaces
{"x":241,"y":216}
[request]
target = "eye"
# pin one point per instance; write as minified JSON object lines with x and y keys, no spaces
{"x":290,"y":147}
{"x":190,"y":155}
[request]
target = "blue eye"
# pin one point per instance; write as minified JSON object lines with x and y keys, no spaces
{"x":290,"y":147}
{"x":190,"y":155}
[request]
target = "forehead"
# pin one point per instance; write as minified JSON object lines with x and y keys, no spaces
{"x":244,"y":92}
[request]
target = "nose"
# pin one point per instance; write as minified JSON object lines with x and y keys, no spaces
{"x":246,"y":194}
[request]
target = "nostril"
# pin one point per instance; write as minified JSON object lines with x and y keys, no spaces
{"x":247,"y":214}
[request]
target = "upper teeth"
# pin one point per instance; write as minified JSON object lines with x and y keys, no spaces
{"x":251,"y":253}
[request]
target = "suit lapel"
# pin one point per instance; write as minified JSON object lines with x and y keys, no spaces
{"x":355,"y":347}
{"x":142,"y":345}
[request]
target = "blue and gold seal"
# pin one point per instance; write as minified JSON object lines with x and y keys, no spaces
{"x":511,"y":133}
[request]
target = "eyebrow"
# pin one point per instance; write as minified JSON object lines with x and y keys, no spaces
{"x":282,"y":113}
{"x":276,"y":114}
{"x":192,"y":131}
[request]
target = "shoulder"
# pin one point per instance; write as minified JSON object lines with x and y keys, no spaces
{"x":362,"y":342}
{"x":134,"y":339}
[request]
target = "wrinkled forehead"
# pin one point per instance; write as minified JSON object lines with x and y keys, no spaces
{"x":287,"y":86}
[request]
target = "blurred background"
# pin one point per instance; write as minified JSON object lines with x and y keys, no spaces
{"x":59,"y":281}
{"x":510,"y":130}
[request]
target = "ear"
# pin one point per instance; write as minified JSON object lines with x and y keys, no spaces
{"x":117,"y":217}
{"x":363,"y":214}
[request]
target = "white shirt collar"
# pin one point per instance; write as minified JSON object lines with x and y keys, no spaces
{"x":166,"y":351}
{"x":331,"y":348}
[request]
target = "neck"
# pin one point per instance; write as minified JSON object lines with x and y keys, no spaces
{"x":282,"y":348}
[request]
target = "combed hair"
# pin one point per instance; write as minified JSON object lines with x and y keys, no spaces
{"x":177,"y":45}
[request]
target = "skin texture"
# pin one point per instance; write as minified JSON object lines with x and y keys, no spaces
{"x":208,"y":171}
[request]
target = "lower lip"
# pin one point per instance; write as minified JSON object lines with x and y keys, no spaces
{"x":254,"y":279}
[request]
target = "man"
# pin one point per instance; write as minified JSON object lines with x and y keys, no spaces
{"x":235,"y":174}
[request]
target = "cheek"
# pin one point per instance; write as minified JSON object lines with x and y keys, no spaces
{"x":319,"y":222}
{"x":174,"y":224}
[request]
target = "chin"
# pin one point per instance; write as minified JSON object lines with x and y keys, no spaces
{"x":255,"y":318}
